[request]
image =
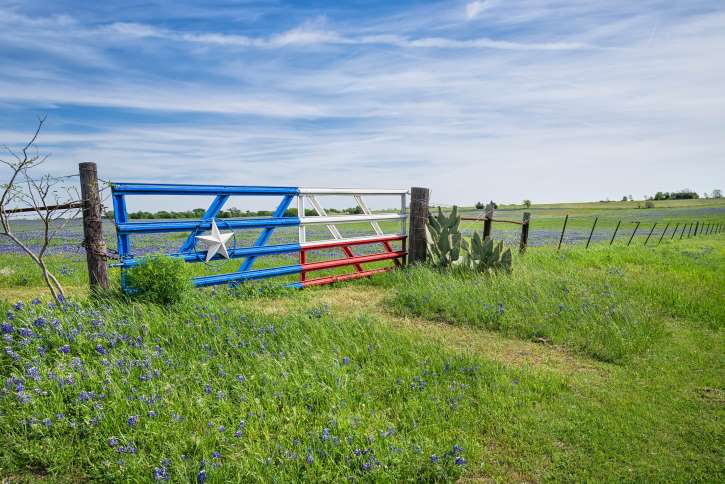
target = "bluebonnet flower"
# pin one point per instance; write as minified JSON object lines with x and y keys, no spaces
{"x":325,"y":434}
{"x":59,"y":416}
{"x":222,"y":428}
{"x":26,"y":332}
{"x":161,"y":474}
{"x":41,"y":350}
{"x":100,"y":349}
{"x":240,"y":378}
{"x":201,"y":477}
{"x":309,"y":459}
{"x":85,"y":396}
{"x":460,"y":461}
{"x":35,"y":301}
{"x":500,"y":308}
{"x":216,"y":454}
{"x":113,"y":442}
{"x":9,"y":351}
{"x":18,"y":306}
{"x":132,"y":420}
{"x":33,"y":373}
{"x":47,"y":422}
{"x":10,"y":315}
{"x":152,"y":413}
{"x":7,"y":328}
{"x":238,"y":434}
{"x":457,"y":449}
{"x":366,"y":466}
{"x":346,"y":360}
{"x":434,"y":458}
{"x":357,"y":452}
{"x":40,"y":322}
{"x":23,"y":397}
{"x":207,"y":389}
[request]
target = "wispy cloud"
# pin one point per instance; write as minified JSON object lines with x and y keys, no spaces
{"x":498,"y":101}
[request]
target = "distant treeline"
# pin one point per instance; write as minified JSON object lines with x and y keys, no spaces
{"x":231,"y":213}
{"x":685,"y":194}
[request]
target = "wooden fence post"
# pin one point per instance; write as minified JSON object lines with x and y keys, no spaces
{"x":683,"y":231}
{"x":633,"y":232}
{"x":615,"y":232}
{"x":563,"y":229}
{"x":697,"y":225}
{"x":650,"y":233}
{"x":663,"y":233}
{"x":689,"y":230}
{"x":487,"y":221}
{"x":592,"y":232}
{"x":524,"y":232}
{"x":417,"y":245}
{"x":93,"y":241}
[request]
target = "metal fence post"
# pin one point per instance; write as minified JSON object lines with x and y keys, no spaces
{"x":563,"y":229}
{"x":592,"y":232}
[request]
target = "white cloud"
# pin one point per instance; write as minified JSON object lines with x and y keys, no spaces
{"x":474,"y":8}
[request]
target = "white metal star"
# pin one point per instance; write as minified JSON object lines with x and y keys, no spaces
{"x":215,"y":242}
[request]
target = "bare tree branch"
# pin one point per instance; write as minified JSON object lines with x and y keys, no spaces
{"x":43,"y":195}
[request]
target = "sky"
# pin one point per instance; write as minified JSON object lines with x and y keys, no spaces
{"x":547,"y":100}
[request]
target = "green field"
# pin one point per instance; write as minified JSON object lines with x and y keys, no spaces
{"x":605,"y":364}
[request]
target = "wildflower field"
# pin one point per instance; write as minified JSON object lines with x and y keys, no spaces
{"x":605,"y":364}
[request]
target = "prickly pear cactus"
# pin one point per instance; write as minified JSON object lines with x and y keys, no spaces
{"x":444,"y":238}
{"x":447,"y":248}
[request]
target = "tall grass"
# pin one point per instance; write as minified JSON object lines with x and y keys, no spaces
{"x":607,"y":303}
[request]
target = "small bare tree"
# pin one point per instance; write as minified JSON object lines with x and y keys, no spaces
{"x":52,"y":202}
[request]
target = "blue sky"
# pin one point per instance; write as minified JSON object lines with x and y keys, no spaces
{"x":549,"y":100}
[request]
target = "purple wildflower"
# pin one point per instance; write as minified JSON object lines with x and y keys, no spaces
{"x":434,"y":458}
{"x":310,"y":459}
{"x":113,"y":442}
{"x":100,"y":349}
{"x":216,"y":454}
{"x":201,"y":477}
{"x":33,"y":373}
{"x":222,"y":428}
{"x":7,"y":328}
{"x":26,"y":332}
{"x":207,"y":389}
{"x":460,"y":461}
{"x":325,"y":434}
{"x":346,"y":360}
{"x":132,"y":420}
{"x":40,"y":322}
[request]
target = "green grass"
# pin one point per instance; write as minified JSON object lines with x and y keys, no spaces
{"x":622,"y":383}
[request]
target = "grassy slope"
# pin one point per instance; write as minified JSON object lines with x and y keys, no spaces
{"x":526,"y":400}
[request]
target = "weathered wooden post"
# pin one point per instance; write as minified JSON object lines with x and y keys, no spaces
{"x":650,"y":233}
{"x":93,"y":240}
{"x":697,"y":225}
{"x":524,"y":232}
{"x":633,"y":232}
{"x":615,"y":232}
{"x":563,"y":229}
{"x":689,"y":230}
{"x":487,"y":221}
{"x":417,"y":247}
{"x":663,"y":233}
{"x":683,"y":231}
{"x":591,"y":233}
